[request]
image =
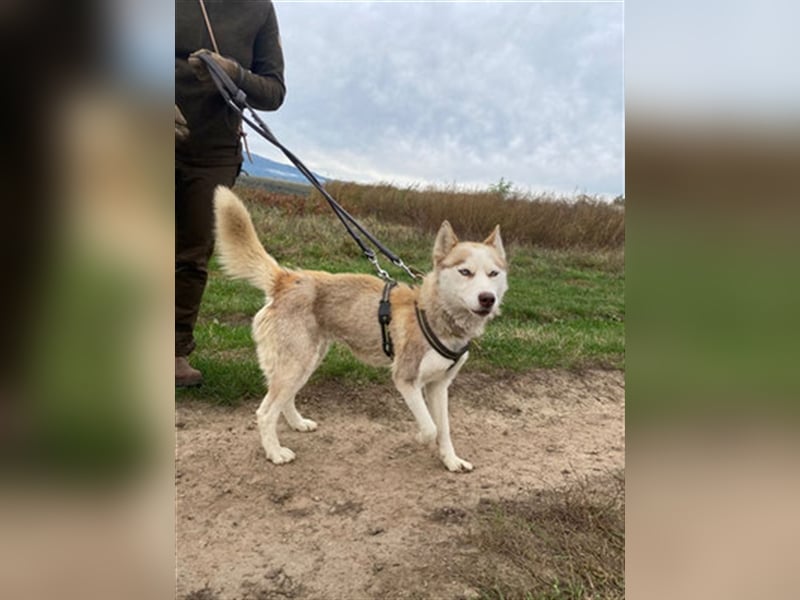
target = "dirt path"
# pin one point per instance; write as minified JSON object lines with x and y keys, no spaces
{"x":364,"y":511}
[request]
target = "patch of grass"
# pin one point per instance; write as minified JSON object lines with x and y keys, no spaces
{"x":226,"y":380}
{"x":341,"y":364}
{"x":560,"y":545}
{"x":561,"y":311}
{"x":564,"y":308}
{"x":226,"y":354}
{"x":226,"y":299}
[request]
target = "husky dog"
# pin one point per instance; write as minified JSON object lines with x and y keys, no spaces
{"x":430,"y":327}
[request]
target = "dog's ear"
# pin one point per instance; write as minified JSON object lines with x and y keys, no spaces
{"x":496,"y":242}
{"x":445,"y":241}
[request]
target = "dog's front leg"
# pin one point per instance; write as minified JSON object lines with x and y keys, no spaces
{"x":412,"y":394}
{"x":438,"y":398}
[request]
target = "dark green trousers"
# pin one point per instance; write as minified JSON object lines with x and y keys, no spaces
{"x":194,"y":242}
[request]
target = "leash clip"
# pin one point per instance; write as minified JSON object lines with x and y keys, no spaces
{"x":381,"y":272}
{"x":411,"y":271}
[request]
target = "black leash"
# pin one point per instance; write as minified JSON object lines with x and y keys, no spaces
{"x":237,"y":100}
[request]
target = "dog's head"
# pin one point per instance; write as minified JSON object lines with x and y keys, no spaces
{"x":470,"y":275}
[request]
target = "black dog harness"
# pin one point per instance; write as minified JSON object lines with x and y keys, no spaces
{"x":385,"y":317}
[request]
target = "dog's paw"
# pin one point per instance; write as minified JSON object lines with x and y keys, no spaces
{"x":281,"y":456}
{"x":456,"y":465}
{"x":426,"y":436}
{"x":304,"y":425}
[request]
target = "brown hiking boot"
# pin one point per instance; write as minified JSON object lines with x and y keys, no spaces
{"x":185,"y":375}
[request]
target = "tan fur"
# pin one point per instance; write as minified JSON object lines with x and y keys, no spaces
{"x":308,"y":310}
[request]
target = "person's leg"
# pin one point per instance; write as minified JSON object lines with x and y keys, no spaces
{"x":194,"y":243}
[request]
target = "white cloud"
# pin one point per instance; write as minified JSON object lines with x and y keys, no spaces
{"x":455,"y":93}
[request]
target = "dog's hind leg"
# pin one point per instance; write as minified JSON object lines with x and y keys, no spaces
{"x":437,"y":395}
{"x":293,"y":417}
{"x":267,"y":415}
{"x":297,"y":421}
{"x":282,"y":389}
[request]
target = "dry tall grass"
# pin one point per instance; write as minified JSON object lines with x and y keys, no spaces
{"x":580,"y":222}
{"x":544,"y":221}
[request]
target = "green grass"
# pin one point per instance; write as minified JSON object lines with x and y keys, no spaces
{"x":564,"y":308}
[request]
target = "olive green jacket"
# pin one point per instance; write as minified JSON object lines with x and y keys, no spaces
{"x":246,"y":31}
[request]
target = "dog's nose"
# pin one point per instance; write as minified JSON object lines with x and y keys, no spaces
{"x":486,"y":300}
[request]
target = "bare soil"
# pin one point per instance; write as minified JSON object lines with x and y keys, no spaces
{"x":364,"y":511}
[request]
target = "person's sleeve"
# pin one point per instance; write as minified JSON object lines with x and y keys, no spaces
{"x":264,"y":83}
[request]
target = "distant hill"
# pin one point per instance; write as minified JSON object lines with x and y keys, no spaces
{"x":269,"y":169}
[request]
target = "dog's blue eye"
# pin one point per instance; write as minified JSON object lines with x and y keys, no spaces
{"x":494,"y":273}
{"x":465,"y":272}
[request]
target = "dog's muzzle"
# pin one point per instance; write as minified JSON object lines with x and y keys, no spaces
{"x":486,"y":301}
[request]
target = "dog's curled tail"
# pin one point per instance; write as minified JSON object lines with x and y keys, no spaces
{"x":240,"y":252}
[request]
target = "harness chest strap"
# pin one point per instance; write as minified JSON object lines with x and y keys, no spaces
{"x":435,"y":342}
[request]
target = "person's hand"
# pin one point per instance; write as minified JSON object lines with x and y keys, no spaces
{"x":181,"y":126}
{"x":231,"y":67}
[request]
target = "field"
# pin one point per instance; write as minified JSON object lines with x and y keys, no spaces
{"x":538,"y":408}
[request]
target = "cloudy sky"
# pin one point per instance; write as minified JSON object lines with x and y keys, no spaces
{"x":457,"y":93}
